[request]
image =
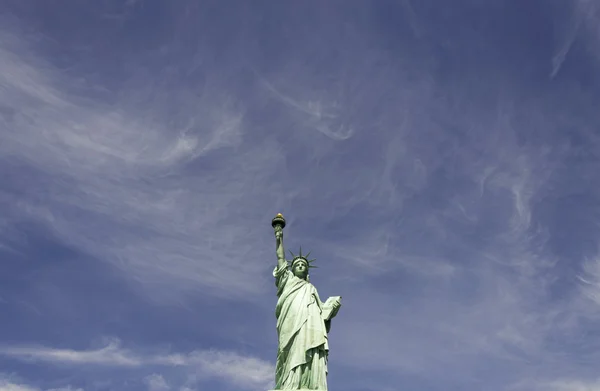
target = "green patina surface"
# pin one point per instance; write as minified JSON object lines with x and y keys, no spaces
{"x":303,"y":322}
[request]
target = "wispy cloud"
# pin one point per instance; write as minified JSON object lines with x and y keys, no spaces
{"x":492,"y":297}
{"x":7,"y":386}
{"x":448,"y":194}
{"x":244,"y":371}
{"x":112,"y":354}
{"x":574,"y":385}
{"x":10,"y":383}
{"x":124,"y":171}
{"x":590,"y":280}
{"x":588,"y":13}
{"x":557,"y":385}
{"x":326,"y":118}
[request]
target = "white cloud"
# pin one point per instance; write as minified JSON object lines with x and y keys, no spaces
{"x":112,"y":354}
{"x":6,"y":386}
{"x":9,"y":383}
{"x":156,"y":382}
{"x":238,"y":369}
{"x":574,"y":385}
{"x":229,"y":366}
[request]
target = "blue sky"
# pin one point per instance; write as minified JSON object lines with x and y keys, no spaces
{"x":438,"y":158}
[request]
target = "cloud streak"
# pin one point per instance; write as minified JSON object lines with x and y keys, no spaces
{"x":447,"y":190}
{"x":9,"y":383}
{"x":244,"y":371}
{"x":125,"y":173}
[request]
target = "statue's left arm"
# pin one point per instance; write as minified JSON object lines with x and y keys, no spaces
{"x":331,"y":307}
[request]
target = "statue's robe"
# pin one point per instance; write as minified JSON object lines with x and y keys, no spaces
{"x":303,"y":348}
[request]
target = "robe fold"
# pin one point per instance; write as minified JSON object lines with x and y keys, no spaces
{"x":303,"y":347}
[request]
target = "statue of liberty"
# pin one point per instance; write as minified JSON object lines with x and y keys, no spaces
{"x":303,"y":322}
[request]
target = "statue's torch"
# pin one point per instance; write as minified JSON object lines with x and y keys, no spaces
{"x":278,"y":221}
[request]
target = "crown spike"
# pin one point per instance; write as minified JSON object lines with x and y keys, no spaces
{"x":300,"y":256}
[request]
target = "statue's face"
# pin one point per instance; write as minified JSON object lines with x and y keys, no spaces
{"x":300,"y":269}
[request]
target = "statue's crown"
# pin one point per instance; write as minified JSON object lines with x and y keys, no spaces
{"x":300,"y":257}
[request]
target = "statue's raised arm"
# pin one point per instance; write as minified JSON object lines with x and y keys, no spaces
{"x":278,"y":224}
{"x":303,"y":322}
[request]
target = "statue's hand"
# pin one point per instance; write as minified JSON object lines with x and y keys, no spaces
{"x":278,"y":232}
